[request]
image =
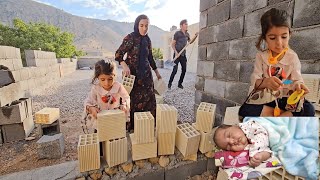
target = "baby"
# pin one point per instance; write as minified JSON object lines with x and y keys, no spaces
{"x":245,"y":136}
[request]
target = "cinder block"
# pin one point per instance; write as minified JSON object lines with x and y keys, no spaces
{"x":143,"y":151}
{"x":143,"y":127}
{"x":115,"y":151}
{"x":16,"y":113}
{"x":17,"y":63}
{"x":159,"y":86}
{"x":50,"y":147}
{"x":280,"y":173}
{"x":111,"y":124}
{"x":166,"y":143}
{"x":128,"y":82}
{"x":10,"y":93}
{"x":187,"y":139}
{"x":7,"y":52}
{"x":49,"y":129}
{"x":159,"y":99}
{"x":19,"y":131}
{"x":6,"y":78}
{"x":47,"y":115}
{"x":7,"y":63}
{"x":25,"y":74}
{"x":205,"y":116}
{"x":88,"y":152}
{"x":166,"y":120}
{"x":231,"y":116}
{"x":205,"y":145}
{"x":16,"y":75}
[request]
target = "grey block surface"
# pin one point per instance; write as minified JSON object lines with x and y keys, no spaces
{"x":50,"y":147}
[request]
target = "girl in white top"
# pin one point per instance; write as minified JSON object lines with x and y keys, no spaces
{"x":273,"y":67}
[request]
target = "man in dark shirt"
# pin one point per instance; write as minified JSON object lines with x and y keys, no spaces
{"x":180,"y":40}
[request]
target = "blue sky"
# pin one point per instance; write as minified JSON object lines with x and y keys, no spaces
{"x":162,"y":13}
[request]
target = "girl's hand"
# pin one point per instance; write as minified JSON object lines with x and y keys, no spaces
{"x":93,"y":111}
{"x":273,"y":83}
{"x":299,"y":86}
{"x":125,"y":69}
{"x":123,"y":108}
{"x":255,"y":160}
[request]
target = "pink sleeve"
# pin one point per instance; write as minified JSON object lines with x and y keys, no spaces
{"x":91,"y":99}
{"x":296,"y":72}
{"x":257,"y":70}
{"x":125,"y":96}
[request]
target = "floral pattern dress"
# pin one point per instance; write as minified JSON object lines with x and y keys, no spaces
{"x":142,"y":95}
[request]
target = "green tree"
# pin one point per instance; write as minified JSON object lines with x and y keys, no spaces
{"x":38,"y":35}
{"x":157,"y":53}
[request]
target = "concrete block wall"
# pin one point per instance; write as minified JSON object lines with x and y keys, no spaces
{"x":43,"y":68}
{"x":229,"y":30}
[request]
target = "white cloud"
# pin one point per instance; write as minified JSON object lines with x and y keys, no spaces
{"x":152,"y":4}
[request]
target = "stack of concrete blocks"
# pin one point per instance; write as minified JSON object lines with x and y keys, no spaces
{"x":51,"y":144}
{"x":111,"y":127}
{"x":127,"y":82}
{"x":204,"y":124}
{"x":231,"y":116}
{"x":166,"y":122}
{"x":187,"y":140}
{"x":144,"y":143}
{"x":88,"y":152}
{"x":67,"y":66}
{"x":10,"y":89}
{"x":43,"y":69}
{"x":16,"y":121}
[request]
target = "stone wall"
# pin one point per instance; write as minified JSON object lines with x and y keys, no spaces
{"x":89,"y":61}
{"x":229,"y":30}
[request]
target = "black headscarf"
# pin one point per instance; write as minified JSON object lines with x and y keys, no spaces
{"x":143,"y":51}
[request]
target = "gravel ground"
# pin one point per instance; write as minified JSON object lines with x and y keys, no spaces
{"x":68,"y":94}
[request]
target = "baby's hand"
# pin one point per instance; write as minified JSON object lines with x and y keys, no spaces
{"x":255,"y":160}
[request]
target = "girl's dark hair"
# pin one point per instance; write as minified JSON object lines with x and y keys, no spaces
{"x":106,"y":67}
{"x":273,"y":17}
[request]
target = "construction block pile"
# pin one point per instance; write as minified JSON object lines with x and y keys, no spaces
{"x":144,"y":142}
{"x":42,"y":69}
{"x":51,"y":144}
{"x":16,"y":121}
{"x":67,"y":66}
{"x":151,"y":137}
{"x":111,"y":132}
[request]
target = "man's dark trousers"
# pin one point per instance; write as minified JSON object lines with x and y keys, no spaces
{"x":183,"y":62}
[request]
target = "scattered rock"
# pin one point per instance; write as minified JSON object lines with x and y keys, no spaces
{"x":191,"y":157}
{"x":25,"y":145}
{"x":23,"y":158}
{"x":164,"y":161}
{"x":147,"y":165}
{"x":140,"y":163}
{"x":64,"y":121}
{"x":105,"y":177}
{"x":111,"y":170}
{"x":81,"y":178}
{"x":196,"y":177}
{"x":210,"y":177}
{"x":96,"y":175}
{"x":30,"y":138}
{"x":127,"y":167}
{"x":154,"y":160}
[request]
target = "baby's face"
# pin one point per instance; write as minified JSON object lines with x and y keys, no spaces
{"x":231,"y":139}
